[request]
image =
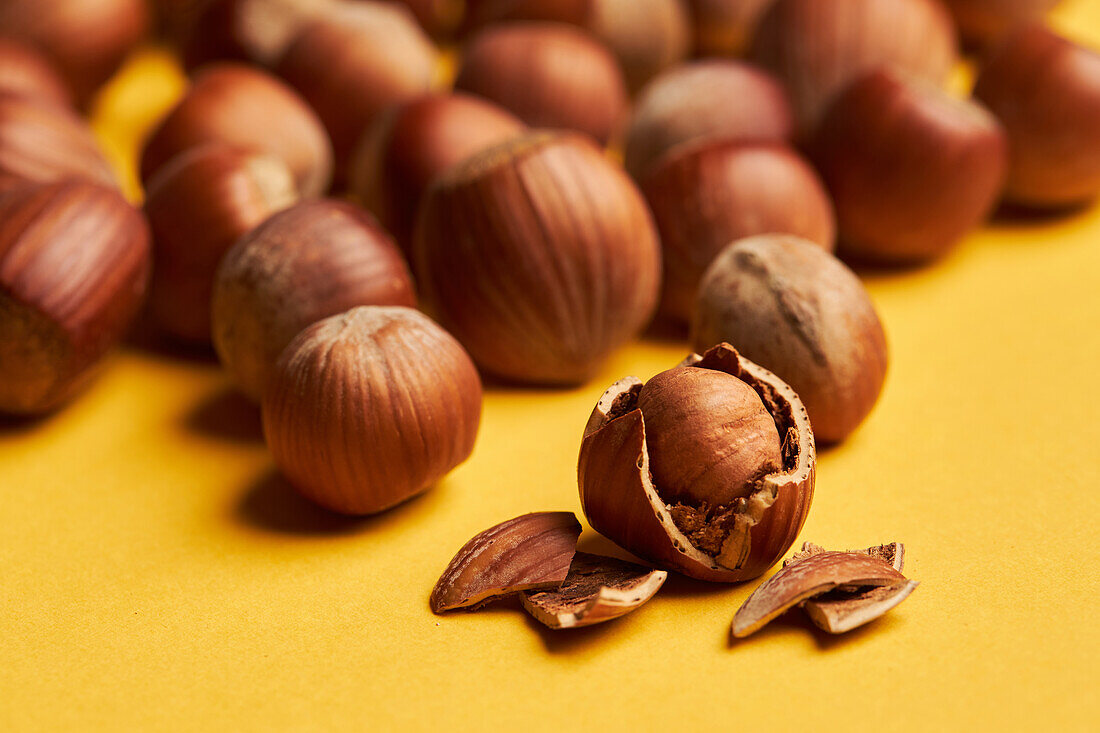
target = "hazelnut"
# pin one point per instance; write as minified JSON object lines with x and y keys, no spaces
{"x":1046,"y":92}
{"x":741,"y":464}
{"x":371,"y":407}
{"x":645,"y":35}
{"x":708,"y":194}
{"x":797,"y":311}
{"x":724,"y":27}
{"x":549,"y":75}
{"x":985,"y":22}
{"x":199,"y":204}
{"x":247,"y":30}
{"x":540,"y":256}
{"x":308,"y":262}
{"x":43,"y":143}
{"x":349,"y":65}
{"x":439,"y":18}
{"x":817,"y":47}
{"x":26,"y":72}
{"x":911,"y":169}
{"x":247,"y":108}
{"x":413,"y":143}
{"x":86,"y":39}
{"x":704,"y":100}
{"x":74,"y":263}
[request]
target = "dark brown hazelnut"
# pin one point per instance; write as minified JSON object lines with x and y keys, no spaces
{"x":352,"y":63}
{"x":549,"y":75}
{"x":410,"y":145}
{"x":198,"y":205}
{"x":439,"y":18}
{"x":86,"y":39}
{"x":371,"y":407}
{"x":26,"y":72}
{"x":1045,"y":90}
{"x":724,"y":27}
{"x":984,"y":22}
{"x":645,"y":35}
{"x":797,"y":311}
{"x":540,"y":256}
{"x":308,"y":262}
{"x":818,"y":47}
{"x":43,"y":142}
{"x":74,"y":264}
{"x":702,"y":100}
{"x":742,"y":466}
{"x":911,"y":168}
{"x":247,"y":30}
{"x":249,"y":109}
{"x":706,"y":195}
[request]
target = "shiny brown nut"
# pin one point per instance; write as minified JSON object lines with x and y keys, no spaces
{"x":702,"y":100}
{"x":705,"y":195}
{"x":540,"y":256}
{"x":813,"y":576}
{"x":198,"y":205}
{"x":911,"y":169}
{"x":42,"y":142}
{"x":597,"y":589}
{"x":244,"y":107}
{"x":818,"y":47}
{"x":74,"y":264}
{"x":797,"y":311}
{"x":26,"y":72}
{"x":623,"y":499}
{"x":352,"y":63}
{"x":247,"y":30}
{"x":1045,"y":90}
{"x":412,"y":144}
{"x":548,"y":75}
{"x":646,"y":36}
{"x":87,"y":40}
{"x":369,"y":408}
{"x":311,"y":261}
{"x":530,"y":552}
{"x":725,"y":27}
{"x":984,"y":22}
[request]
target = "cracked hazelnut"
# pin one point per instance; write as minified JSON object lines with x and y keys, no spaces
{"x":540,"y":256}
{"x":313,"y":260}
{"x":74,"y":264}
{"x":797,"y":311}
{"x":741,"y":478}
{"x":371,"y":407}
{"x":247,"y":108}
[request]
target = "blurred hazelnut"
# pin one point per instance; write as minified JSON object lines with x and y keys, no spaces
{"x":985,"y":22}
{"x":74,"y":263}
{"x":311,"y":261}
{"x":797,"y":311}
{"x":439,"y":18}
{"x":706,"y":195}
{"x":246,"y":108}
{"x":540,"y":256}
{"x":26,"y":72}
{"x":412,"y":144}
{"x":247,"y":30}
{"x":549,"y":75}
{"x":911,"y":169}
{"x":371,"y":407}
{"x":199,"y":204}
{"x":705,"y":99}
{"x":724,"y":27}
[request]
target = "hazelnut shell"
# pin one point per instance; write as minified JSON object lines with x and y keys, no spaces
{"x":257,"y":31}
{"x":26,"y":72}
{"x":621,"y":501}
{"x":983,"y":23}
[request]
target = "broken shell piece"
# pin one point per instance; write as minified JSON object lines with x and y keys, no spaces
{"x":816,"y":574}
{"x":531,"y":552}
{"x":841,"y":611}
{"x":893,"y":553}
{"x":597,"y":589}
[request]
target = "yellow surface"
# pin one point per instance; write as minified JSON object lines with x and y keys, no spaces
{"x":155,"y":575}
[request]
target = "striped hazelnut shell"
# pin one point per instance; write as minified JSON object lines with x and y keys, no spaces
{"x":622,"y":502}
{"x":540,"y":256}
{"x":74,"y":265}
{"x":24,"y":71}
{"x":311,"y":261}
{"x":371,"y":407}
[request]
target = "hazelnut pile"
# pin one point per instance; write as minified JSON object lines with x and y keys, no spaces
{"x":329,"y":171}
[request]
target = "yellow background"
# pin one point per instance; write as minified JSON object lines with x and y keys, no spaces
{"x":154,"y":574}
